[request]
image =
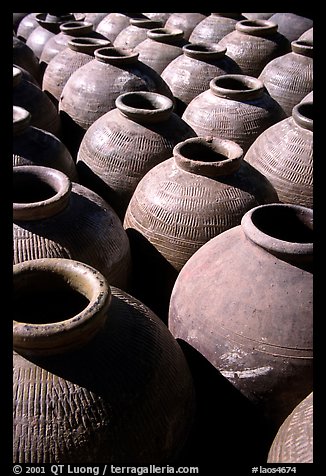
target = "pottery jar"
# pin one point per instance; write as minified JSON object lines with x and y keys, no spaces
{"x":111,"y":25}
{"x":44,"y":114}
{"x":25,"y":57}
{"x":202,"y":190}
{"x":307,"y":35}
{"x":293,"y":442}
{"x":257,"y":16}
{"x":26,"y":26}
{"x":95,"y":18}
{"x":16,"y":19}
{"x":97,"y":377}
{"x":253,"y":44}
{"x":135,"y":32}
{"x":34,"y":146}
{"x":161,"y":46}
{"x":162,"y":17}
{"x":214,"y":27}
{"x":235,"y":107}
{"x":56,"y":218}
{"x":91,"y":91}
{"x":78,"y":52}
{"x":309,"y":97}
{"x":291,"y":25}
{"x":121,"y":146}
{"x":189,"y":74}
{"x":284,"y":154}
{"x":185,"y":22}
{"x":244,"y":302}
{"x":289,"y":78}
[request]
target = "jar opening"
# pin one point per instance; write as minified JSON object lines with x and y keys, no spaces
{"x":202,"y":152}
{"x":306,"y":110}
{"x":29,"y":188}
{"x":235,"y":84}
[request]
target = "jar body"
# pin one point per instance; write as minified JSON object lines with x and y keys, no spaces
{"x":25,"y":57}
{"x":185,"y":22}
{"x":214,"y":27}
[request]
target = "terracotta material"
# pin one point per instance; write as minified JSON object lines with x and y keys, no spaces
{"x":185,"y":22}
{"x":180,"y":204}
{"x":25,"y":57}
{"x":235,"y":107}
{"x":253,"y":44}
{"x":244,"y":301}
{"x":56,"y":218}
{"x":189,"y":74}
{"x":291,"y":25}
{"x":113,"y":23}
{"x":289,"y":77}
{"x":26,"y":26}
{"x":135,"y":32}
{"x":97,"y":376}
{"x":293,"y":442}
{"x":29,"y":96}
{"x":284,"y":154}
{"x":161,"y":46}
{"x":214,"y":27}
{"x":34,"y":146}
{"x":121,"y":146}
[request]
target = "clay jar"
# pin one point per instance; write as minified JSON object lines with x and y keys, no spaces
{"x":307,"y":35}
{"x":26,"y":26}
{"x":284,"y":154}
{"x":33,"y":146}
{"x":56,"y":218}
{"x":161,"y":46}
{"x":79,"y":51}
{"x":289,"y":78}
{"x":253,"y":44}
{"x":214,"y":27}
{"x":185,"y":22}
{"x":91,"y":91}
{"x":111,"y":25}
{"x":180,"y":204}
{"x":158,"y":16}
{"x":235,"y":107}
{"x":135,"y":32}
{"x":117,"y":385}
{"x":25,"y":57}
{"x":121,"y":146}
{"x":29,"y":96}
{"x":291,"y":25}
{"x":189,"y":74}
{"x":244,"y":301}
{"x":293,"y":442}
{"x":95,"y":18}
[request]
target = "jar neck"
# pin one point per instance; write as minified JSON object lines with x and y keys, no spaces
{"x":302,"y":115}
{"x":59,"y":305}
{"x":87,"y":45}
{"x":21,"y":120}
{"x":145,"y":23}
{"x":238,"y":87}
{"x":76,"y":28}
{"x":260,"y":28}
{"x":165,"y":35}
{"x":284,"y":230}
{"x":204,"y":52}
{"x":303,"y":47}
{"x":39,"y":192}
{"x":116,"y":56}
{"x":210,"y":157}
{"x":144,"y":106}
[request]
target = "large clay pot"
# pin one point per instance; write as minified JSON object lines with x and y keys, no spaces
{"x":214,"y":27}
{"x":253,"y":44}
{"x":291,"y":25}
{"x":91,"y":91}
{"x":284,"y":154}
{"x":97,"y":377}
{"x":158,"y":16}
{"x":121,"y":146}
{"x":25,"y":57}
{"x":185,"y":22}
{"x":183,"y":202}
{"x":29,"y":96}
{"x":289,"y":78}
{"x":135,"y":32}
{"x":33,"y":146}
{"x":79,"y":51}
{"x":26,"y":26}
{"x":161,"y":46}
{"x":244,"y":301}
{"x":293,"y":442}
{"x":235,"y":107}
{"x":189,"y":74}
{"x":95,"y":18}
{"x":56,"y":218}
{"x":113,"y":23}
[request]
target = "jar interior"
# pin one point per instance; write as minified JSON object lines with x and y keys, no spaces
{"x":31,"y":189}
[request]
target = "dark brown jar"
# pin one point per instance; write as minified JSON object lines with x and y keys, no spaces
{"x":185,"y":22}
{"x":244,"y":302}
{"x":161,"y":46}
{"x":235,"y":107}
{"x":25,"y":57}
{"x":111,"y":25}
{"x":289,"y":78}
{"x":253,"y":44}
{"x":121,"y":146}
{"x":189,"y":74}
{"x":97,"y":377}
{"x":56,"y":218}
{"x":186,"y":200}
{"x":34,"y":146}
{"x":135,"y":32}
{"x":283,"y":153}
{"x":214,"y":27}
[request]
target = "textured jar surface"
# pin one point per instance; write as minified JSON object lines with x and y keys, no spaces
{"x":135,"y":32}
{"x":291,"y":25}
{"x":214,"y":27}
{"x":184,"y":21}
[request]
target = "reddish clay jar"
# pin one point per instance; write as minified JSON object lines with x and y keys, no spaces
{"x":97,"y":376}
{"x":56,"y":218}
{"x":244,"y":302}
{"x":214,"y":27}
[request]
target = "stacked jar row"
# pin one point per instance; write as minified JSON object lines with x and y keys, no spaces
{"x":166,"y":179}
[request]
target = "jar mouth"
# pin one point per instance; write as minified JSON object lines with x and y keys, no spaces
{"x":165,"y":33}
{"x":76,"y":26}
{"x":196,"y":49}
{"x":112,"y":54}
{"x":303,"y":47}
{"x":236,"y":86}
{"x":302,"y":114}
{"x":39,"y":192}
{"x":145,"y":23}
{"x":256,"y":27}
{"x":87,"y":44}
{"x":21,"y":119}
{"x":59,"y":304}
{"x":285,"y":230}
{"x":144,"y":105}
